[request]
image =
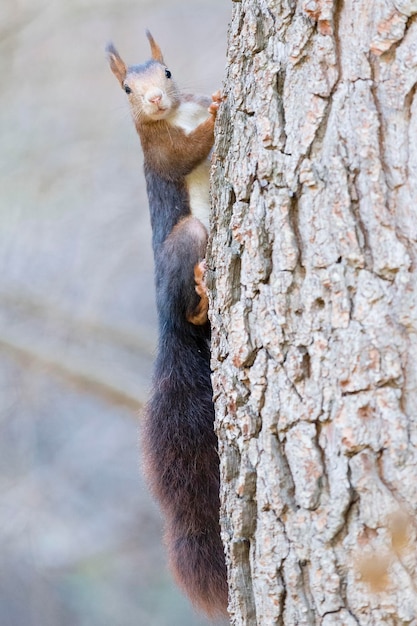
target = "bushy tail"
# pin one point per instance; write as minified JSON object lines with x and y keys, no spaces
{"x":182,"y":465}
{"x":198,"y":565}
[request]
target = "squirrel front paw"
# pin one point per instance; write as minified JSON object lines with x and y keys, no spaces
{"x":214,"y":106}
{"x":199,"y":315}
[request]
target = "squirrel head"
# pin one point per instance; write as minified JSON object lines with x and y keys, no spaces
{"x":152,"y":92}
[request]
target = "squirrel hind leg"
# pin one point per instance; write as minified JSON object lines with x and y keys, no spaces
{"x":184,"y":252}
{"x":199,"y":315}
{"x":200,"y":571}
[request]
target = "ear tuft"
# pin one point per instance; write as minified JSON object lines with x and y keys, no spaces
{"x":117,"y":65}
{"x":155,"y":49}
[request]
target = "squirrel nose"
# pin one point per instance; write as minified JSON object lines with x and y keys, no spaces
{"x":154,"y":96}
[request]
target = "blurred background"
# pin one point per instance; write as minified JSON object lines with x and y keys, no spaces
{"x":80,"y":540}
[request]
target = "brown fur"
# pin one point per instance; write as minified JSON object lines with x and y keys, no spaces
{"x":178,"y":441}
{"x":170,"y":151}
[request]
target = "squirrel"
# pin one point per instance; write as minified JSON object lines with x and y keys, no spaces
{"x":179,"y":444}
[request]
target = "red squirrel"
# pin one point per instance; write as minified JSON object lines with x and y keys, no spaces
{"x":178,"y":439}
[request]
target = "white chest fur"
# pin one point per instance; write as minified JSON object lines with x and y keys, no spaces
{"x":188,"y":116}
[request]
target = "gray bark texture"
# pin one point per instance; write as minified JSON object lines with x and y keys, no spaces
{"x":313,"y":271}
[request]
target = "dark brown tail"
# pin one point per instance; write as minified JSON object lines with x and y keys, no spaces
{"x":182,"y":464}
{"x":197,"y":562}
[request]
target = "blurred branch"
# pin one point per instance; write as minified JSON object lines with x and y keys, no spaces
{"x":74,"y":373}
{"x":103,"y":360}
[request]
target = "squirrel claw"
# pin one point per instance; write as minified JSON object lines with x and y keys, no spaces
{"x":199,"y":315}
{"x":217,"y":96}
{"x":217,"y":99}
{"x":200,"y":271}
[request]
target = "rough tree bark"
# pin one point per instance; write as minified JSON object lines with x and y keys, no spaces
{"x":314,"y":311}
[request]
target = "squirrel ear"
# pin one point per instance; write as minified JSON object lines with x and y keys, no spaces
{"x":117,"y":65}
{"x":155,"y":49}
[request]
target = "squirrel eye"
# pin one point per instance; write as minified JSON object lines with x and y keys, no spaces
{"x":127,"y":89}
{"x":167,"y":73}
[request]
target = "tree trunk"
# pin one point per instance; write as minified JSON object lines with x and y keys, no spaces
{"x":314,"y":312}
